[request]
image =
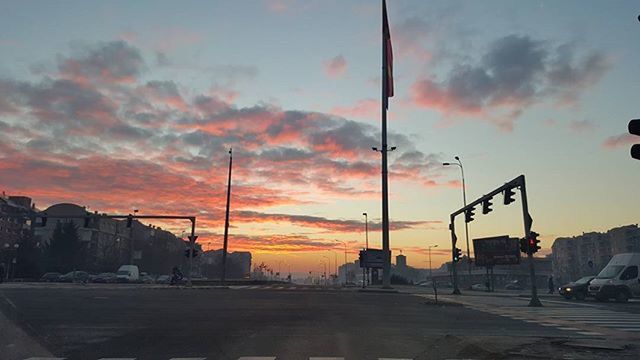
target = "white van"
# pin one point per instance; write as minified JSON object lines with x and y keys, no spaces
{"x":618,"y":280}
{"x":128,"y":273}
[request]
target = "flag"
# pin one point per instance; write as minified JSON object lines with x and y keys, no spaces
{"x":387,"y":55}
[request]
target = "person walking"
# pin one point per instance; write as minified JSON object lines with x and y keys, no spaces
{"x":551,"y":286}
{"x":2,"y":273}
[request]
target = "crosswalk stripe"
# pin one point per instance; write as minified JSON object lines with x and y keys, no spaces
{"x":633,"y":329}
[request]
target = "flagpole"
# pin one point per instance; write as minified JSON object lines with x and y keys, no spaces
{"x":386,"y":268}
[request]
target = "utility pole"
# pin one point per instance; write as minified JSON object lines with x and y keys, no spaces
{"x":226,"y":223}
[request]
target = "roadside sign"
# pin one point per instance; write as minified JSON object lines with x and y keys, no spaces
{"x":373,"y":258}
{"x":193,"y":238}
{"x":496,"y":250}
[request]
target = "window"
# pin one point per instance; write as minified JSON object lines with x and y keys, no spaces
{"x":629,"y":273}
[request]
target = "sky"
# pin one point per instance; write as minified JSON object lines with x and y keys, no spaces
{"x":125,"y":105}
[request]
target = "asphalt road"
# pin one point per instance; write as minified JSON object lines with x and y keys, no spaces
{"x":93,"y":323}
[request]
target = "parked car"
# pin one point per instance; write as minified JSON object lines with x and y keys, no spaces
{"x":618,"y":280}
{"x":163,"y":279}
{"x":479,"y":287}
{"x":514,"y":285}
{"x":105,"y":278}
{"x":50,"y":277}
{"x":74,"y":276}
{"x":128,"y":273}
{"x":577,"y":289}
{"x":146,"y":278}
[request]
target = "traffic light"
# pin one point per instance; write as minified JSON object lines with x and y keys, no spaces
{"x":524,"y":246}
{"x":469,"y":214}
{"x":508,"y":196}
{"x":129,"y":221}
{"x":195,"y":253}
{"x":634,"y":129}
{"x":486,"y":206}
{"x":457,"y":253}
{"x":534,"y":243}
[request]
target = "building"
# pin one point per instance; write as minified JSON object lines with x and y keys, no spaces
{"x":587,"y":254}
{"x":108,"y":243}
{"x":16,"y":214}
{"x":401,"y":261}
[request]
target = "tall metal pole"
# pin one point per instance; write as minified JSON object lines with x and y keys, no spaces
{"x":430,"y":271}
{"x":192,"y":242}
{"x":527,"y":233}
{"x":365,"y":271}
{"x":454,"y":271}
{"x":226,"y":223}
{"x":466,"y":224}
{"x":386,"y":267}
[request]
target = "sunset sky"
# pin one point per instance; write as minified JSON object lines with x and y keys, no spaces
{"x":117,"y":105}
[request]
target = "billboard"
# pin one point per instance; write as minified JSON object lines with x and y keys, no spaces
{"x":496,"y":250}
{"x":373,"y":258}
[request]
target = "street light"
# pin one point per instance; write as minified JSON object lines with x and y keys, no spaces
{"x":324,"y":265}
{"x":345,"y":259}
{"x":325,"y":271}
{"x":430,"y":272}
{"x":365,"y":271}
{"x":464,"y":201}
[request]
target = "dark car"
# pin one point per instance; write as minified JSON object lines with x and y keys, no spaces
{"x":50,"y":277}
{"x":105,"y":278}
{"x":577,"y":289}
{"x":80,"y":276}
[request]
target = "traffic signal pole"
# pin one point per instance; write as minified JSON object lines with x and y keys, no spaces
{"x":507,"y":188}
{"x":192,"y":243}
{"x":454,"y":263}
{"x":527,"y":233}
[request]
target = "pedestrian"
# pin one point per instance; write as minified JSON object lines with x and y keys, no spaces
{"x":551,"y":287}
{"x":1,"y":273}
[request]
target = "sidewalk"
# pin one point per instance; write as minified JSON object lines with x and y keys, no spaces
{"x":15,"y":344}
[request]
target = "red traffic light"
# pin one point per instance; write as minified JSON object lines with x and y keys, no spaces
{"x":634,"y":129}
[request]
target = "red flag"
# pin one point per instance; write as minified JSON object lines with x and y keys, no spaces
{"x":387,"y":52}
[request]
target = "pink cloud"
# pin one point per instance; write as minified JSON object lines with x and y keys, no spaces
{"x":336,"y":66}
{"x":617,"y":141}
{"x":364,"y":108}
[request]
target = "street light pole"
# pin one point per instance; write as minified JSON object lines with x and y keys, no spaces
{"x":430,"y":271}
{"x":345,"y":259}
{"x":226,"y":223}
{"x":464,"y":201}
{"x":365,"y":270}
